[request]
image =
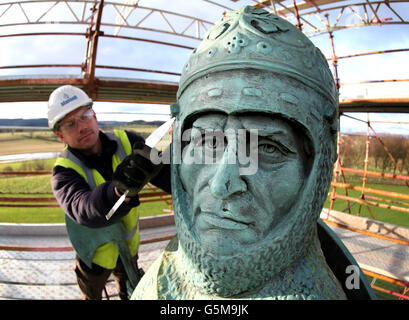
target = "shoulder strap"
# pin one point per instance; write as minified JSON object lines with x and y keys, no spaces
{"x":120,"y":150}
{"x":87,"y":171}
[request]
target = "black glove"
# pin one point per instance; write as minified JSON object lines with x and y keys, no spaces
{"x":135,"y":170}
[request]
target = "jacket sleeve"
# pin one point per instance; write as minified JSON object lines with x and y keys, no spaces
{"x":162,"y":180}
{"x":83,"y":205}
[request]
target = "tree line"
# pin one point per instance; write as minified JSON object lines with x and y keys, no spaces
{"x":353,"y":151}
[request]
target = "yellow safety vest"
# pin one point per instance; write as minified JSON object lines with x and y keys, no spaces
{"x":107,"y":254}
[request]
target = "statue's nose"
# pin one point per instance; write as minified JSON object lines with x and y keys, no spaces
{"x":227,"y":180}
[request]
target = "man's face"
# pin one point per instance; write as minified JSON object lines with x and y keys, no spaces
{"x":229,"y":209}
{"x":79,"y":130}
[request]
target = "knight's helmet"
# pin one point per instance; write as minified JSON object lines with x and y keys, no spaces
{"x":255,"y":41}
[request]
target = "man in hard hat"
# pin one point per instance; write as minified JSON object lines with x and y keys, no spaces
{"x":88,"y":178}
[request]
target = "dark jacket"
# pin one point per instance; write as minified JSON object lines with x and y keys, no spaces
{"x":89,"y":207}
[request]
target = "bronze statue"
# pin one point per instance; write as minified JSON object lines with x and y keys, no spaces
{"x":245,"y":233}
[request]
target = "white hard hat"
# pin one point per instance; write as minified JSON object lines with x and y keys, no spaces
{"x":63,"y":100}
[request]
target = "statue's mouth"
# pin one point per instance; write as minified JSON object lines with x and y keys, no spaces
{"x":225,"y":221}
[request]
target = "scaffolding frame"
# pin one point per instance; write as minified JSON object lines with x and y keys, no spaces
{"x":129,"y":20}
{"x":134,"y":22}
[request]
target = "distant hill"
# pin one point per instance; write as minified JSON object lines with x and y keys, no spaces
{"x":156,"y":123}
{"x":43,"y":122}
{"x":24,"y":122}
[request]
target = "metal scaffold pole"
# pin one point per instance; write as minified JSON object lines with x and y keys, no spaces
{"x":94,"y":32}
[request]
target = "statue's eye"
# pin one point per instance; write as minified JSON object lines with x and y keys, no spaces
{"x":270,"y":151}
{"x":212,"y":143}
{"x":268,"y":148}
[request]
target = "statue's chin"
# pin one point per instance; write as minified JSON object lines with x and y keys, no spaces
{"x":213,"y":244}
{"x":220,"y":242}
{"x":214,"y":266}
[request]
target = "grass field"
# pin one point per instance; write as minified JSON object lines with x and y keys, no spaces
{"x":385,"y":215}
{"x":46,"y":141}
{"x":56,"y":215}
{"x":23,"y":142}
{"x":40,"y":186}
{"x":28,"y":142}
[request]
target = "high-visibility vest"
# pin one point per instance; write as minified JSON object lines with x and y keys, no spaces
{"x":97,"y":245}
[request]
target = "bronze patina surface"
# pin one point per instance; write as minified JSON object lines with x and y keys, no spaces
{"x":251,"y":234}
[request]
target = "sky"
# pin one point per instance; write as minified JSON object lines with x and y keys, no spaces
{"x":71,"y":50}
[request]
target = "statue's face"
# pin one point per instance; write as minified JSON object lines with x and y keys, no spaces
{"x":230,"y":209}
